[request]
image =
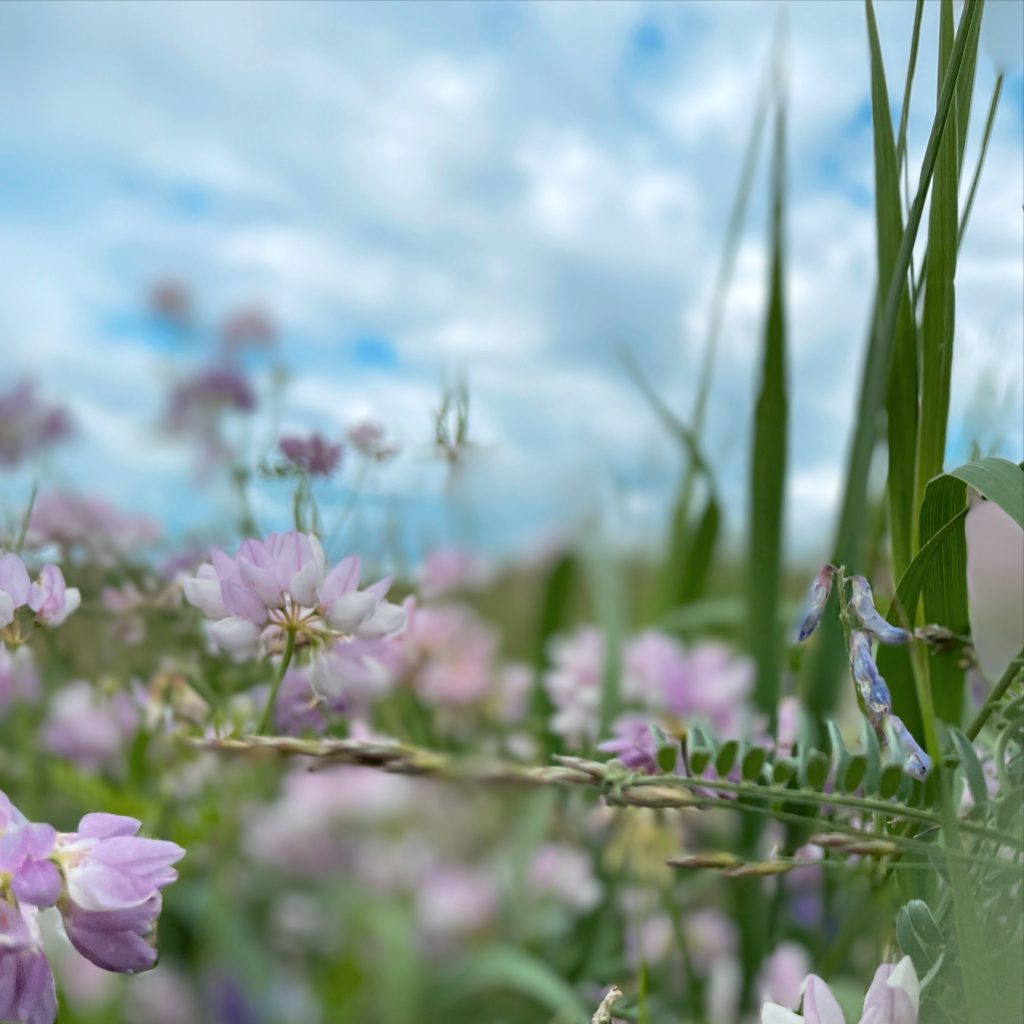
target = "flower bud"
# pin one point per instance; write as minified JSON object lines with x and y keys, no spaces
{"x":918,"y":764}
{"x":814,"y":607}
{"x":864,"y":607}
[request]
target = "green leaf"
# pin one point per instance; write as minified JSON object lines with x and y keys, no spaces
{"x":938,"y":573}
{"x":753,"y":763}
{"x":973,"y":772}
{"x":515,"y":970}
{"x":555,"y":604}
{"x":901,"y":396}
{"x":699,"y":552}
{"x":889,"y":781}
{"x":768,"y":456}
{"x":856,"y":769}
{"x":783,"y":770}
{"x":726,"y":757}
{"x":700,"y":750}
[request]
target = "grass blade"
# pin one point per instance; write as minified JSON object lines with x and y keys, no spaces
{"x":901,"y":398}
{"x":768,"y":459}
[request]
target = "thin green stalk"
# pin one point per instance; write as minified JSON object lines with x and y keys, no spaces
{"x":986,"y":136}
{"x":992,"y":701}
{"x":275,"y":686}
{"x":915,"y":39}
{"x":23,"y":529}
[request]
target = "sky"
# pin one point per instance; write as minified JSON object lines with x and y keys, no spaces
{"x":505,"y":192}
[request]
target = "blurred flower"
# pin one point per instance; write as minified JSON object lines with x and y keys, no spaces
{"x":354,"y":673}
{"x":209,"y":392}
{"x":27,"y":426}
{"x":781,"y":976}
{"x":49,"y":597}
{"x":995,"y":585}
{"x":635,"y":744}
{"x":565,"y":874}
{"x":88,"y":523}
{"x":297,"y":708}
{"x":170,"y":300}
{"x":89,"y":728}
{"x":448,"y":569}
{"x":368,"y":437}
{"x":19,"y":678}
{"x":312,"y":454}
{"x":864,"y":606}
{"x":281,"y":584}
{"x":893,"y":998}
{"x":248,"y":328}
{"x":455,"y":901}
{"x":817,"y":598}
{"x":574,"y":684}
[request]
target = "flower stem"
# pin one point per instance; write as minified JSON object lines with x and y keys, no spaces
{"x":275,"y":686}
{"x":995,"y":696}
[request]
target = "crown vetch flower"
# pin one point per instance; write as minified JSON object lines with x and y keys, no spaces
{"x":280,"y":585}
{"x":49,"y":596}
{"x":872,"y":687}
{"x":814,"y":606}
{"x":27,"y":991}
{"x":864,"y":606}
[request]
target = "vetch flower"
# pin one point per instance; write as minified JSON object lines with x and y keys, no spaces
{"x":27,"y":425}
{"x":918,"y":763}
{"x":814,"y":607}
{"x":14,"y":587}
{"x":864,"y":606}
{"x":872,"y":687}
{"x":27,"y":991}
{"x":51,"y":599}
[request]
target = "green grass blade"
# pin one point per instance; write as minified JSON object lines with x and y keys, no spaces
{"x":768,"y":458}
{"x":915,"y":39}
{"x":821,"y":685}
{"x":901,"y":397}
{"x":985,"y":138}
{"x":699,"y":553}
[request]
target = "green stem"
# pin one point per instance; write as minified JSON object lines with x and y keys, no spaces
{"x":20,"y":542}
{"x":275,"y":686}
{"x":1005,"y":681}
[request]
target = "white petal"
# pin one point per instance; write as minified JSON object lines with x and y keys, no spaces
{"x":350,"y":610}
{"x":387,"y":619}
{"x":905,"y":977}
{"x":205,"y":595}
{"x":772,"y":1013}
{"x":235,"y":635}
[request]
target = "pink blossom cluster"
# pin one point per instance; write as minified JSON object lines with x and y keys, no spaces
{"x":27,"y":425}
{"x":281,"y":585}
{"x":89,"y":524}
{"x":48,"y":596}
{"x":104,"y":879}
{"x":660,"y":677}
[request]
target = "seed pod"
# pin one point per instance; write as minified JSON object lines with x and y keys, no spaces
{"x":918,"y":764}
{"x":814,"y":607}
{"x":864,"y":606}
{"x":872,"y":687}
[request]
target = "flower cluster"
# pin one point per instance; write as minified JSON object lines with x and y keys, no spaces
{"x":105,"y":880}
{"x":88,"y":524}
{"x":312,"y":454}
{"x":27,"y":425}
{"x":48,"y":597}
{"x":660,"y":676}
{"x":281,"y":585}
{"x":872,"y":689}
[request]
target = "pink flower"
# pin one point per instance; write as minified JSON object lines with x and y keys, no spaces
{"x":312,"y":454}
{"x":574,"y":684}
{"x":368,"y":437}
{"x":51,"y":599}
{"x":893,"y":998}
{"x":19,"y":679}
{"x":90,"y":728}
{"x":89,"y":523}
{"x":27,"y":991}
{"x":564,"y":874}
{"x":448,"y":569}
{"x":453,"y":652}
{"x":27,"y":426}
{"x":14,"y":587}
{"x":281,"y":584}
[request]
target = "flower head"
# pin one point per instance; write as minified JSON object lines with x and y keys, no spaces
{"x":312,"y":454}
{"x":872,"y":687}
{"x":27,"y":425}
{"x":814,"y":607}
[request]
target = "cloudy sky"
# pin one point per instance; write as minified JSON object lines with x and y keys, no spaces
{"x":508,"y":191}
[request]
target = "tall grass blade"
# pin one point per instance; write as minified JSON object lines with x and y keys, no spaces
{"x":901,"y":398}
{"x":768,"y":457}
{"x":985,"y":138}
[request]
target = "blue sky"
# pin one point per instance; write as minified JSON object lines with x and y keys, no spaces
{"x":506,"y":191}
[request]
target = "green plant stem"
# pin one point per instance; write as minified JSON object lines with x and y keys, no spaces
{"x":986,"y":136}
{"x":23,"y":530}
{"x":275,"y":686}
{"x":1005,"y":681}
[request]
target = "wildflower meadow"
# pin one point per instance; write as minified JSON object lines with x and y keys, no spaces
{"x":278,"y":748}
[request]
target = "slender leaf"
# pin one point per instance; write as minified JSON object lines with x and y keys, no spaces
{"x":901,"y":396}
{"x":768,"y":465}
